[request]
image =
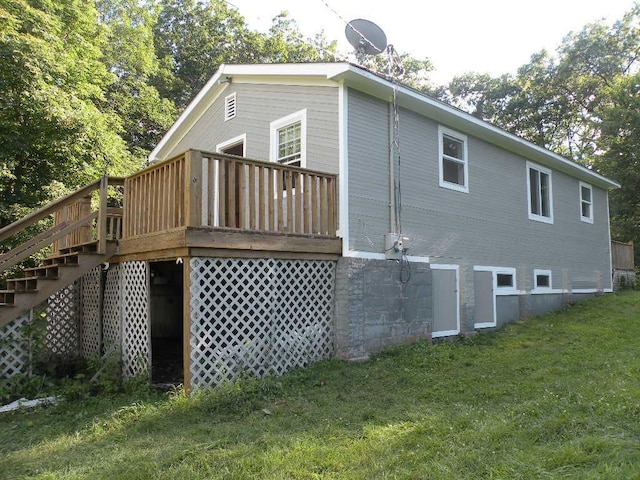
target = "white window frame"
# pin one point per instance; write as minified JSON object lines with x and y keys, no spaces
{"x":587,"y":219}
{"x":442,"y":132}
{"x":538,"y":288}
{"x":535,"y":216}
{"x":498,"y":291}
{"x":505,"y":290}
{"x":240,"y":139}
{"x":230,"y":106}
{"x":277,"y":125}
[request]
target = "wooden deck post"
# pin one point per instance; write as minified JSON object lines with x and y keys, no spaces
{"x":102,"y":216}
{"x":193,"y":189}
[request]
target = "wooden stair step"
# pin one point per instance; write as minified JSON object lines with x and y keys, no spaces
{"x":43,"y":271}
{"x":66,"y":259}
{"x":7,"y":298}
{"x":87,"y":247}
{"x":26,"y":284}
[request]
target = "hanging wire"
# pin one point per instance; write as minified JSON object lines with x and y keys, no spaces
{"x":395,"y":72}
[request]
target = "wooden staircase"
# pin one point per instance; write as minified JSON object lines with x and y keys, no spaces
{"x":56,"y":272}
{"x":81,"y":239}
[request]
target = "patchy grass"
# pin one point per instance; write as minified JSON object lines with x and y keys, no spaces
{"x":556,"y":396}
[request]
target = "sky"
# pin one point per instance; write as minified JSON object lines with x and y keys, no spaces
{"x":457,"y":36}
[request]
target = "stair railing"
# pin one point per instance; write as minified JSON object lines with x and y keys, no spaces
{"x":73,"y":223}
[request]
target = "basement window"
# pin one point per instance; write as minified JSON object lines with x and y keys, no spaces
{"x":504,"y":280}
{"x":542,"y":279}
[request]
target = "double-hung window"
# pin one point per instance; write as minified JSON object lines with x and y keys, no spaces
{"x":288,"y":142}
{"x":453,"y":160}
{"x":540,"y":197}
{"x":586,"y":203}
{"x":288,"y":139}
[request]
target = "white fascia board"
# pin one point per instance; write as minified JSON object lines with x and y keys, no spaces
{"x":467,"y":123}
{"x":294,"y":73}
{"x":189,"y":116}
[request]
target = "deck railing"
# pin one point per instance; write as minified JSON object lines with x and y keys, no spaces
{"x":205,"y":189}
{"x":77,"y":218}
{"x":622,"y":255}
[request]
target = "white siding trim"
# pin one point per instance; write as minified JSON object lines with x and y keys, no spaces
{"x":498,"y":291}
{"x":343,"y":167}
{"x":606,"y":193}
{"x":417,"y":259}
{"x":380,"y":256}
{"x":365,"y":255}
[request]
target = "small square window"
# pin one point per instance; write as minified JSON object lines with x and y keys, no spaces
{"x":453,"y":160}
{"x":542,"y":279}
{"x":504,"y":280}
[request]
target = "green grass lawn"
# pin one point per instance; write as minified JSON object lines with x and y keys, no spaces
{"x":556,"y":396}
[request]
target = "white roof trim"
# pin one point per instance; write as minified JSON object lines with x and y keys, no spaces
{"x":367,"y":82}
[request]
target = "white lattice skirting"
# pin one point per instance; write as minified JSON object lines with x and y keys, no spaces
{"x":91,"y":324}
{"x":112,"y":308}
{"x":261,"y":316}
{"x":136,"y":334}
{"x":14,"y":348}
{"x":62,"y":322}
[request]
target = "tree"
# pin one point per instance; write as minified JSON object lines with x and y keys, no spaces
{"x":52,"y":80}
{"x":192,"y":38}
{"x":620,"y":161}
{"x":553,"y":101}
{"x":129,"y":54}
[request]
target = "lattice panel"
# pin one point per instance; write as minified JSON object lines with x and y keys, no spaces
{"x":14,"y":348}
{"x":304,"y":294}
{"x":261,"y":316}
{"x":90,"y":299}
{"x":112,"y":307}
{"x":62,"y":322}
{"x":135,"y":320}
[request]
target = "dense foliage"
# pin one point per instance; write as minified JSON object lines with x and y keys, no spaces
{"x":89,"y":87}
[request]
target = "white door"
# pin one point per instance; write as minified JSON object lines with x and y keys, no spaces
{"x":446,"y":306}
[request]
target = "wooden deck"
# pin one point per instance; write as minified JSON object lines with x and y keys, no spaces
{"x":196,"y":204}
{"x":209,"y":204}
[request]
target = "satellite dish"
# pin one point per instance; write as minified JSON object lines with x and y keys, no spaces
{"x":366,"y":37}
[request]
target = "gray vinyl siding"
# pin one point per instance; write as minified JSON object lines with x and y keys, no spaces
{"x":257,"y":106}
{"x":368,"y":147}
{"x":489,"y":225}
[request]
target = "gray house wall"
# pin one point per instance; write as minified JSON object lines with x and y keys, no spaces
{"x":487,"y":226}
{"x":257,"y":105}
{"x":472,"y":232}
